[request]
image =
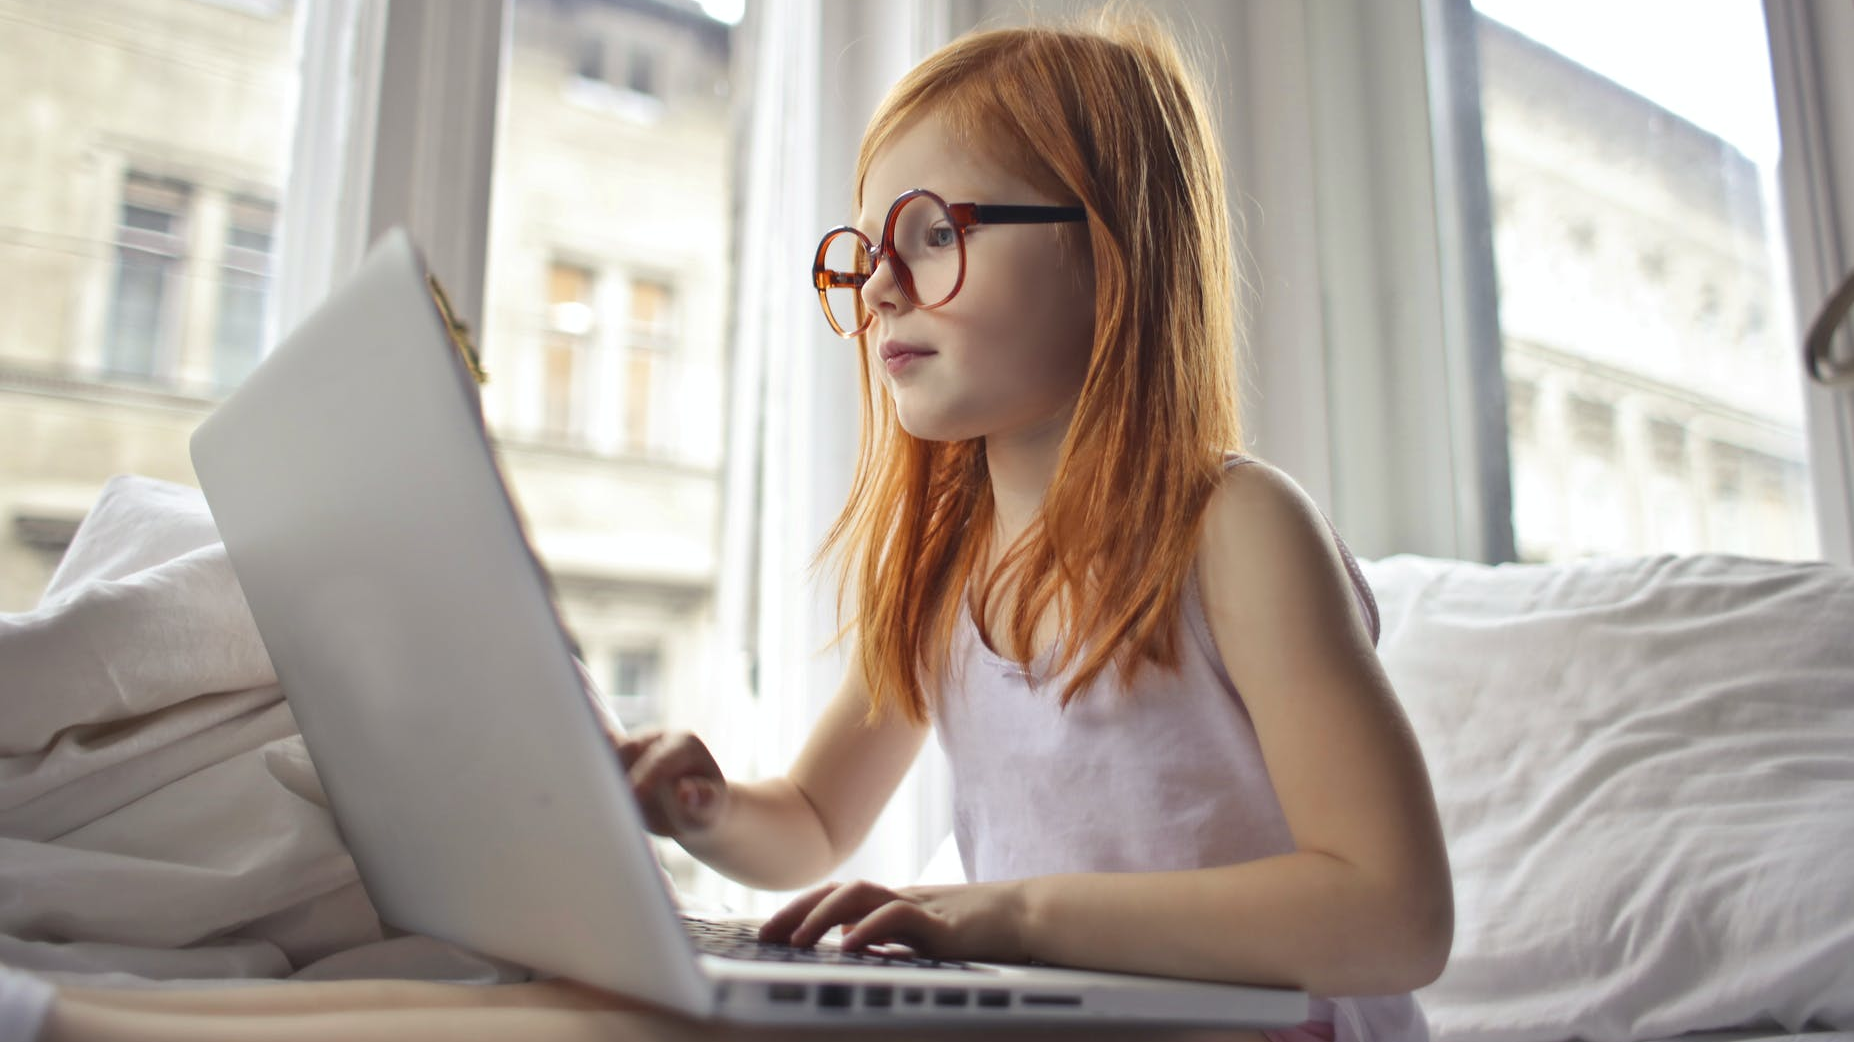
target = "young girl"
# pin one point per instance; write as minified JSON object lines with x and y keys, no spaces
{"x":1148,"y":658}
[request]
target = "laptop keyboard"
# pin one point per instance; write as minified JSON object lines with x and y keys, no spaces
{"x":738,"y":940}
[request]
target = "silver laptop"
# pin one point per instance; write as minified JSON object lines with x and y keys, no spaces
{"x":418,"y":645}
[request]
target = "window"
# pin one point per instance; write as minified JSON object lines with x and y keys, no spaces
{"x":591,"y":59}
{"x":601,"y":383}
{"x":618,"y":60}
{"x":143,"y":338}
{"x":1593,"y":428}
{"x":649,"y":364}
{"x":156,"y":330}
{"x":1669,"y":441}
{"x":636,"y":685}
{"x":238,"y":335}
{"x":638,"y":73}
{"x":567,"y":352}
{"x":1634,"y":237}
{"x":641,"y":71}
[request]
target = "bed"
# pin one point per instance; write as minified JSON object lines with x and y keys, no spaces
{"x":1645,"y":769}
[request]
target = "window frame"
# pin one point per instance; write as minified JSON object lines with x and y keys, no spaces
{"x":403,"y":136}
{"x":1815,"y":116}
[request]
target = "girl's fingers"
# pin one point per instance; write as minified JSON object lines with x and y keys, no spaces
{"x":899,"y":921}
{"x":630,"y":750}
{"x":651,"y":781}
{"x":697,"y":803}
{"x":672,"y":761}
{"x":648,"y":799}
{"x":661,"y":762}
{"x":778,"y":929}
{"x":845,"y":904}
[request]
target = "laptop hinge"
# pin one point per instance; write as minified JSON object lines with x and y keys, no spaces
{"x":459,"y":333}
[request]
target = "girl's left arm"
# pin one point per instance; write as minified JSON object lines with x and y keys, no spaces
{"x":1363,"y":905}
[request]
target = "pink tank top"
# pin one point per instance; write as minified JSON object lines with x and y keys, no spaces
{"x":1162,"y":774}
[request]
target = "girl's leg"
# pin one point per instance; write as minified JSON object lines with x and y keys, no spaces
{"x":416,"y":1011}
{"x":345,"y":996}
{"x":78,"y":1022}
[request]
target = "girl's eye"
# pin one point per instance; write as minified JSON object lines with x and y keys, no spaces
{"x":941,"y":235}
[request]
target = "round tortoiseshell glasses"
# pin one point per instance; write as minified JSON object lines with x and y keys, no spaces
{"x":924,"y":238}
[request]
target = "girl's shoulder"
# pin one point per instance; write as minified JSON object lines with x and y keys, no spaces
{"x":1264,"y":539}
{"x":1255,"y":491}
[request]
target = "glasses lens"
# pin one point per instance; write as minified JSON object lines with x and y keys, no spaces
{"x":846,"y":254}
{"x":929,"y":247}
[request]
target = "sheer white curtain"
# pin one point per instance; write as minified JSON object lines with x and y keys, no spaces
{"x":818,"y":69}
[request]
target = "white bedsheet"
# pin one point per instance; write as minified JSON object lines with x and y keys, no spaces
{"x":159,"y":817}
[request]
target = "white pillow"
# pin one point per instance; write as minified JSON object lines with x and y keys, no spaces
{"x":1645,"y":769}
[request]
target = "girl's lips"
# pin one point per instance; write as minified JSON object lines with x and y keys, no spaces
{"x":898,"y":357}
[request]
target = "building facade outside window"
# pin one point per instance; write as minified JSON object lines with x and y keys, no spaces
{"x":143,"y":148}
{"x":1654,"y":404}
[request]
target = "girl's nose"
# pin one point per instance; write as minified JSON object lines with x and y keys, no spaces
{"x":881,"y":292}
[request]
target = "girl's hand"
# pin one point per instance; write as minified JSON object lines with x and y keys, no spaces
{"x":972,"y":921}
{"x":679,"y":787}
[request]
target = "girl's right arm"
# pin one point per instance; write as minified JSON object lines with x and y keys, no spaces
{"x":779,"y":833}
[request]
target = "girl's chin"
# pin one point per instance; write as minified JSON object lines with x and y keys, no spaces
{"x":932,"y":427}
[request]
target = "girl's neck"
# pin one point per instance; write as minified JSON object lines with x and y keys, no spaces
{"x":1021,"y":466}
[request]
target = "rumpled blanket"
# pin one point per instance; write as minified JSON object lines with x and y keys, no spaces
{"x":159,"y":816}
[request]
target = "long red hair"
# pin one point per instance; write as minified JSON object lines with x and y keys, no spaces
{"x":1107,"y":117}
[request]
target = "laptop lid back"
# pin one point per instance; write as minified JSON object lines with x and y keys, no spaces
{"x":418,"y":645}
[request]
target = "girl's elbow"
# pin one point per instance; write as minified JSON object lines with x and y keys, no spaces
{"x":1413,"y":938}
{"x":1411,"y":954}
{"x":1431,"y":936}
